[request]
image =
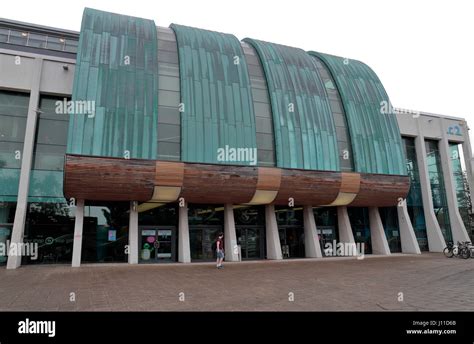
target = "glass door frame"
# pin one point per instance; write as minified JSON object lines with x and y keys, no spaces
{"x":284,"y":228}
{"x":173,"y":244}
{"x":261,"y":232}
{"x":201,"y":228}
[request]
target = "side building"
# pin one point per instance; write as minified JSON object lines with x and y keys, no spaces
{"x":133,"y":143}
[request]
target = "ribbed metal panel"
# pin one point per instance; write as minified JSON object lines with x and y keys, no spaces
{"x":215,"y":94}
{"x":117,"y":68}
{"x":305,"y":134}
{"x":262,"y":108}
{"x":375,"y":135}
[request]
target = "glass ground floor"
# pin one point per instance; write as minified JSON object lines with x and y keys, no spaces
{"x":105,"y":236}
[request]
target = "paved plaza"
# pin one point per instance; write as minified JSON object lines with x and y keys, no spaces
{"x":398,"y":282}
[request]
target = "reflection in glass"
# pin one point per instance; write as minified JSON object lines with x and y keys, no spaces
{"x":105,"y":233}
{"x":461,"y":186}
{"x":389,"y":217}
{"x":414,"y":199}
{"x":359,"y":218}
{"x":250,"y":231}
{"x":291,"y":231}
{"x":205,"y":223}
{"x":326,"y":224}
{"x":438,"y":191}
{"x":51,"y":226}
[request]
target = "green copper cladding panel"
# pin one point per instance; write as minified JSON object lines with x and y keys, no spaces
{"x":376,"y":140}
{"x":305,"y":133}
{"x":217,"y":108}
{"x":117,"y":69}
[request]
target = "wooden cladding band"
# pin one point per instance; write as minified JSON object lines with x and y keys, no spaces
{"x":108,"y":179}
{"x":115,"y":179}
{"x":381,"y":190}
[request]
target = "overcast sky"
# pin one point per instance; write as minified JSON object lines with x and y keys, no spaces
{"x":423,"y":51}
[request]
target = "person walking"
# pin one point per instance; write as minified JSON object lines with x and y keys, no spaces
{"x":220,"y":250}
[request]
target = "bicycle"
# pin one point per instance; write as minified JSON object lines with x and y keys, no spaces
{"x":462,"y":249}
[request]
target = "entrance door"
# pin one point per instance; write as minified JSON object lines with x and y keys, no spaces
{"x":157,"y":244}
{"x":292,"y":241}
{"x":327,"y":235}
{"x":201,"y":239}
{"x":251,"y":241}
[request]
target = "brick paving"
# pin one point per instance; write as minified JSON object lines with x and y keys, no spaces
{"x":428,"y":282}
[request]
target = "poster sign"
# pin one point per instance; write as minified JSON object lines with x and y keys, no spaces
{"x":112,"y":235}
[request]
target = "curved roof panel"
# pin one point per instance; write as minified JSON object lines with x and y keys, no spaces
{"x":217,"y":108}
{"x":116,"y":75}
{"x":376,"y":140}
{"x":305,"y":134}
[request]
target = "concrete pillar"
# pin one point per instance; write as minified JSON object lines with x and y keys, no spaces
{"x":14,"y":261}
{"x":184,"y":247}
{"x":272,"y":236}
{"x":133,"y":234}
{"x":436,"y":241}
{"x":457,"y":225}
{"x":230,"y":239}
{"x":312,"y":248}
{"x":407,"y":233}
{"x":345,"y":229}
{"x":377,"y":233}
{"x":78,"y":228}
{"x":467,"y":153}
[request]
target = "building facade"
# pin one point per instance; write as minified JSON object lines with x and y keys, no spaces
{"x":129,"y":142}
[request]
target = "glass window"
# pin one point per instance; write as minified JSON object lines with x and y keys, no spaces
{"x":168,"y":69}
{"x":389,"y":217}
{"x":266,"y":157}
{"x":168,"y":98}
{"x":10,"y":154}
{"x":49,"y":157}
{"x":265,"y":141}
{"x":71,"y":45}
{"x":52,"y":132}
{"x":56,"y":43}
{"x":51,"y":227}
{"x":18,"y":37}
{"x":461,"y":185}
{"x":7,"y":215}
{"x":260,"y":95}
{"x":205,"y":223}
{"x":169,"y":115}
{"x":264,"y":125}
{"x":438,"y":190}
{"x":168,"y":150}
{"x":262,"y":110}
{"x":167,"y":45}
{"x":12,"y":128}
{"x":4,"y":35}
{"x":169,"y":57}
{"x":414,"y":198}
{"x":105,"y":233}
{"x":14,"y":103}
{"x":327,"y":228}
{"x":169,"y":133}
{"x":169,"y":83}
{"x":359,"y":218}
{"x":37,"y":41}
